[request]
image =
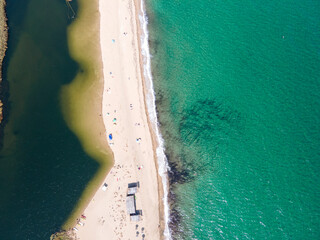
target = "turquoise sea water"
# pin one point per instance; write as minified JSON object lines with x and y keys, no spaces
{"x":238,"y":98}
{"x":43,"y":168}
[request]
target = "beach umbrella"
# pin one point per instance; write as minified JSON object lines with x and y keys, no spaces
{"x":110,"y":136}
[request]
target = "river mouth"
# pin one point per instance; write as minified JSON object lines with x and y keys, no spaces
{"x":44,"y":167}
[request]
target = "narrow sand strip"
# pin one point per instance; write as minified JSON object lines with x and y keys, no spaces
{"x":125,"y":118}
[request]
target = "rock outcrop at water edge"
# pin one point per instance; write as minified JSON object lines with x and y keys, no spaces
{"x":3,"y":47}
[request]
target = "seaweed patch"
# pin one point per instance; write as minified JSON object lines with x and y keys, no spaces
{"x":203,"y":127}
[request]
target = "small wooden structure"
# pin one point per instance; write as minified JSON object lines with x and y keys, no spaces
{"x":135,"y":218}
{"x":71,"y":12}
{"x":131,"y":204}
{"x":133,"y":188}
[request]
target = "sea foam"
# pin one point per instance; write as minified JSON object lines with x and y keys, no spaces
{"x":151,"y":106}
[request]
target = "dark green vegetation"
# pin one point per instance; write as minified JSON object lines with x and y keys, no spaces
{"x":43,"y":168}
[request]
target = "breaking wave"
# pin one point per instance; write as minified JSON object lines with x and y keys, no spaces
{"x":151,"y":106}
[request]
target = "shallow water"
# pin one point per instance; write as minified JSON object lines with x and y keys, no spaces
{"x":237,"y":87}
{"x":43,"y":167}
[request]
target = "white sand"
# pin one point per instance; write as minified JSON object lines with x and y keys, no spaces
{"x":123,"y":100}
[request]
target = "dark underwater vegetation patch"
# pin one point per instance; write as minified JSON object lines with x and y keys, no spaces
{"x":204,"y":127}
{"x":192,"y":145}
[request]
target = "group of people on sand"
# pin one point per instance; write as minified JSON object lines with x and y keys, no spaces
{"x":114,"y":121}
{"x":142,"y":231}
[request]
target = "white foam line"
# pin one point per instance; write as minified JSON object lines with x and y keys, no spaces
{"x":151,"y":106}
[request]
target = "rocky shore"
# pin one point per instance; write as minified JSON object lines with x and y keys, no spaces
{"x":3,"y":47}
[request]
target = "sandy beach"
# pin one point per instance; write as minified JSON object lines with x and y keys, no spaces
{"x":128,"y":132}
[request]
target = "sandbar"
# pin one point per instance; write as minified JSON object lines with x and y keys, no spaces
{"x":128,"y":132}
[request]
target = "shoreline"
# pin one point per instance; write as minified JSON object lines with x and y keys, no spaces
{"x":81,"y":100}
{"x":3,"y":47}
{"x":140,"y":33}
{"x":150,"y":109}
{"x":126,"y":66}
